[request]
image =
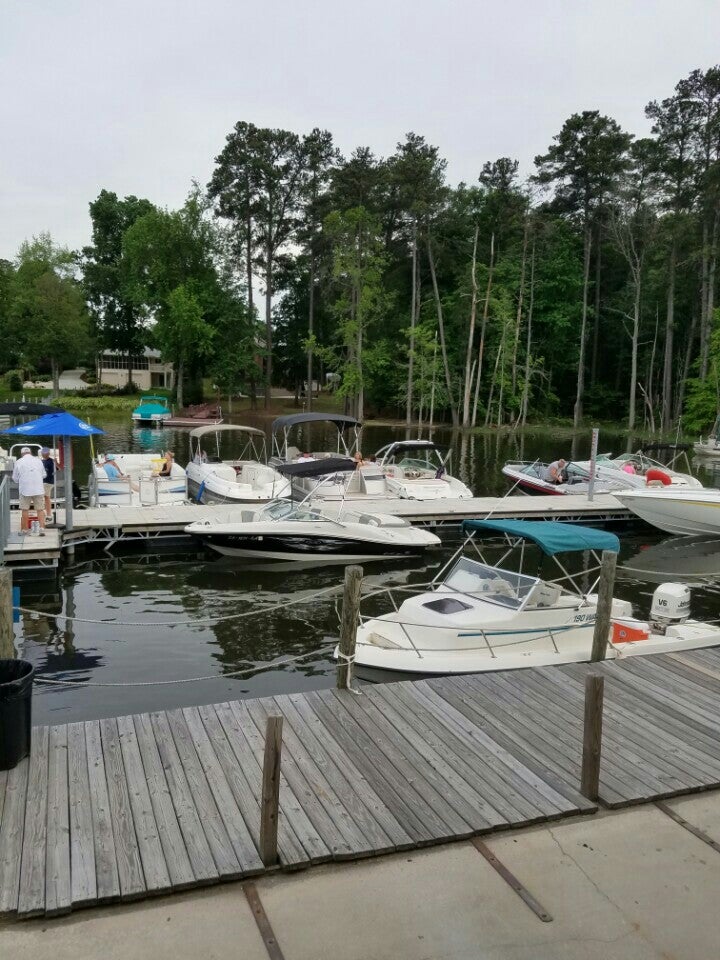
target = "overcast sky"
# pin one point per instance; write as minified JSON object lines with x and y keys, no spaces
{"x":137,"y":96}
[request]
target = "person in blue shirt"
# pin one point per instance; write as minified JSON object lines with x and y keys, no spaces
{"x":49,"y":479}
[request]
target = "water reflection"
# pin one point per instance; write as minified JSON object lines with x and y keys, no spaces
{"x":691,"y":558}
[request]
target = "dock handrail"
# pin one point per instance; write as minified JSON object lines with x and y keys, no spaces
{"x":4,"y":514}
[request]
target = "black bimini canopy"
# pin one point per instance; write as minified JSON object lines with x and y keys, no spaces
{"x":27,"y":409}
{"x":290,"y":420}
{"x":316,"y":468}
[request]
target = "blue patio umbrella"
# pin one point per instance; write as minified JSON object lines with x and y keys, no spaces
{"x":63,"y":425}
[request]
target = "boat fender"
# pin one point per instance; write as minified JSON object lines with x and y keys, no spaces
{"x":201,"y":491}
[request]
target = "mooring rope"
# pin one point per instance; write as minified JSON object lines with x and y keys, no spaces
{"x":185,"y":623}
{"x":164,"y":683}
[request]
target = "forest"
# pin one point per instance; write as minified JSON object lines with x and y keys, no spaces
{"x":584,"y":291}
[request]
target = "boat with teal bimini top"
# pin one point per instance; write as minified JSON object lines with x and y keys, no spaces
{"x":478,"y":616}
{"x":152,"y":411}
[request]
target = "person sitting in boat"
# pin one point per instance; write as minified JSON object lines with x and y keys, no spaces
{"x":112,"y":470}
{"x":555,"y":472}
{"x":306,"y":456}
{"x":166,"y":469}
{"x":358,"y":458}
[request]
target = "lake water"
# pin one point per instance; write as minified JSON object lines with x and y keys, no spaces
{"x":185,"y":587}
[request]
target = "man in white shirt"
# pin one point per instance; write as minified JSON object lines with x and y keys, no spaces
{"x":29,"y":475}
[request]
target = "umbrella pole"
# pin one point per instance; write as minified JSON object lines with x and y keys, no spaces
{"x":67,"y":477}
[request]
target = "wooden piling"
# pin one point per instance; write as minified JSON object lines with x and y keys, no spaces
{"x":7,"y":642}
{"x":270,"y":801}
{"x":604,"y":606}
{"x":592,"y":736}
{"x":349,"y":625}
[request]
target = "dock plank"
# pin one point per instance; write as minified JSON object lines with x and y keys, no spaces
{"x":12,"y":832}
{"x":106,"y":868}
{"x":58,"y":889}
{"x":196,"y":843}
{"x":31,"y":896}
{"x":127,"y":851}
{"x":83,"y":883}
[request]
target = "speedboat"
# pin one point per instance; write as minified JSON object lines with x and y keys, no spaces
{"x":640,"y":465}
{"x":530,"y":478}
{"x":417,"y":470}
{"x":678,"y":511}
{"x":247,"y":479}
{"x":151,"y":411}
{"x":197,"y":415}
{"x":283,"y":531}
{"x":142,"y":484}
{"x":476,"y":616}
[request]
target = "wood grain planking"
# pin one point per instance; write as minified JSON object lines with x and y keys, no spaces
{"x":240,"y":837}
{"x":11,"y":836}
{"x":3,"y":781}
{"x":171,"y":839}
{"x":227,"y":863}
{"x":393,"y":789}
{"x":127,"y":851}
{"x":196,"y":844}
{"x":31,"y":897}
{"x":291,"y":809}
{"x":317,"y":798}
{"x":370,"y":814}
{"x":58,"y":890}
{"x":106,"y":868}
{"x":83,"y":882}
{"x":290,"y":849}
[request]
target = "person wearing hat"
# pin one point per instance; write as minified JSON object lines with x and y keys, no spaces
{"x":49,"y":480}
{"x":29,"y":475}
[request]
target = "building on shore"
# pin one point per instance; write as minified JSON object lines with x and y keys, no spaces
{"x":147,"y":372}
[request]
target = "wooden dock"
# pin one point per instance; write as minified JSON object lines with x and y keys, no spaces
{"x":115,"y":524}
{"x":124,"y":808}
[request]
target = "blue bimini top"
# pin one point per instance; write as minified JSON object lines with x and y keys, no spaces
{"x":551,"y":536}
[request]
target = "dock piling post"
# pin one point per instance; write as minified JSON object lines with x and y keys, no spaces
{"x":349,"y":625}
{"x":270,"y":803}
{"x":592,"y":736}
{"x":7,"y":639}
{"x":604,"y":605}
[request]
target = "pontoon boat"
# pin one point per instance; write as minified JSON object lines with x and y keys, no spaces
{"x":151,"y":411}
{"x":141,"y":484}
{"x":247,"y":479}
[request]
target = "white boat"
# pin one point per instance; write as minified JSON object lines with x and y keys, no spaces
{"x":629,"y":471}
{"x":477,"y":616}
{"x":682,"y":512}
{"x":247,"y":479}
{"x":645,"y":468}
{"x":283,"y":531}
{"x":405,"y":469}
{"x":142,"y":484}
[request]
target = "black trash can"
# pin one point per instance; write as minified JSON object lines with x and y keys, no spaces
{"x":16,"y":681}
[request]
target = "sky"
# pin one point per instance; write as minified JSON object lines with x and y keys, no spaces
{"x":137,"y":96}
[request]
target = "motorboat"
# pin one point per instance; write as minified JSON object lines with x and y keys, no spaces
{"x":197,"y":415}
{"x":283,"y":531}
{"x":710,"y":446}
{"x":629,"y":471}
{"x":152,"y":411}
{"x":418,"y":470}
{"x":639,"y":464}
{"x":405,"y":469}
{"x":678,"y":511}
{"x":530,"y":478}
{"x":476,"y":616}
{"x":141,"y":484}
{"x":247,"y":479}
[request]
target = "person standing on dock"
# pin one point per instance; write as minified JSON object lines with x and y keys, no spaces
{"x":49,"y":480}
{"x":29,"y":474}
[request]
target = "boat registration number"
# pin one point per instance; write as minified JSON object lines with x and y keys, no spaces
{"x":584,"y":617}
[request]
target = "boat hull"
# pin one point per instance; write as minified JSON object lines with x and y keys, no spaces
{"x":302,"y":546}
{"x":689,"y":515}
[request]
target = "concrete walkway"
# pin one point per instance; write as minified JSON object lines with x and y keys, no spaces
{"x":628,"y":885}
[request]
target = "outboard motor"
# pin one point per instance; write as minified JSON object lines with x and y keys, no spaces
{"x":670,"y":605}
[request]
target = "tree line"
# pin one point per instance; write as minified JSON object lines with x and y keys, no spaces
{"x":586,"y":290}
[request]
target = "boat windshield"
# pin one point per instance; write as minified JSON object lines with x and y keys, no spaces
{"x":504,"y":587}
{"x":284,"y":510}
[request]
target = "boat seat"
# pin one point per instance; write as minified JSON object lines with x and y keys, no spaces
{"x":546,"y":594}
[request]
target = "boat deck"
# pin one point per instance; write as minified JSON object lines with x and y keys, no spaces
{"x":123,"y":808}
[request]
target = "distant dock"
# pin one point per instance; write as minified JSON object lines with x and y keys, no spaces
{"x":111,"y":525}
